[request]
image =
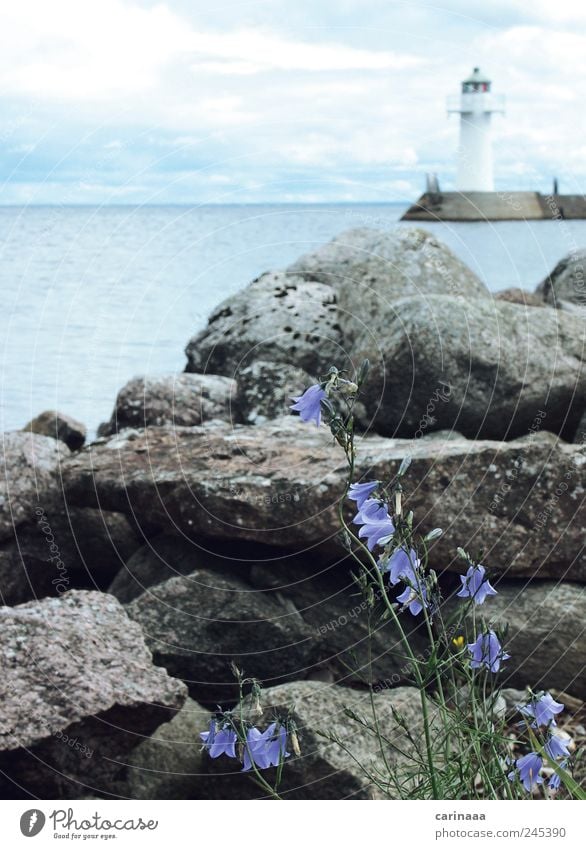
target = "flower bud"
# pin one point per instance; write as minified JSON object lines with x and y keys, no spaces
{"x":295,"y":743}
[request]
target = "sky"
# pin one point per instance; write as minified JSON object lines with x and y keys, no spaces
{"x":113,"y":101}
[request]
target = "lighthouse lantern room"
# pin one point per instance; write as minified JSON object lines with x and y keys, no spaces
{"x":475,"y":105}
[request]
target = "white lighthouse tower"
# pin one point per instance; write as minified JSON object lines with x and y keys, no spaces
{"x":475,"y":106}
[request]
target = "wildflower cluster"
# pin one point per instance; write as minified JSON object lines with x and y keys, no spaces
{"x":539,"y":716}
{"x":394,"y":561}
{"x":234,"y":733}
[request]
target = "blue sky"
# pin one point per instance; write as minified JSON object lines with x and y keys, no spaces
{"x":330,"y":100}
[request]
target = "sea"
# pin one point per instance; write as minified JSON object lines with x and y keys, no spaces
{"x":92,"y":296}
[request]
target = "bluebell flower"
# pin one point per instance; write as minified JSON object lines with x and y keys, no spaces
{"x":554,"y":782}
{"x":529,"y":767}
{"x":220,"y":741}
{"x":377,"y":533}
{"x":487,"y":651}
{"x":359,"y":492}
{"x":413,"y":599}
{"x":308,"y":405}
{"x":372,"y":510}
{"x":277,"y":747}
{"x":557,"y":747}
{"x":402,"y":566}
{"x":542,"y":709}
{"x":264,"y":748}
{"x":475,"y":585}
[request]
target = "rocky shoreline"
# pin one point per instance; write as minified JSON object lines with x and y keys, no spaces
{"x":200,"y":527}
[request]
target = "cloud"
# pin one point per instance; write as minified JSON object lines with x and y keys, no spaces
{"x":172,"y":101}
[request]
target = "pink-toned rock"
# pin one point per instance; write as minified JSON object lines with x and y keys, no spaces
{"x":78,"y":691}
{"x":521,"y":502}
{"x":29,"y":477}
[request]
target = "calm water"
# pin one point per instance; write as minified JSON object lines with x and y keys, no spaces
{"x":93,"y":296}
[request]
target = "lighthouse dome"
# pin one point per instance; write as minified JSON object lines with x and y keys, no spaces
{"x":477,"y":81}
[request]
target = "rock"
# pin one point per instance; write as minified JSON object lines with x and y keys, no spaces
{"x":278,"y":484}
{"x":265,"y":390}
{"x":59,"y":426}
{"x":544,"y":622}
{"x":171,"y":763}
{"x":324,"y":770}
{"x":371,"y":269}
{"x":78,"y":692}
{"x":580,"y":435}
{"x":29,"y":478}
{"x":180,"y":399}
{"x":197,"y":624}
{"x":330,"y":602}
{"x":82,"y":549}
{"x":278,"y":317}
{"x":326,"y":598}
{"x":565,"y":286}
{"x":167,"y":556}
{"x":483,"y":367}
{"x":519,"y":296}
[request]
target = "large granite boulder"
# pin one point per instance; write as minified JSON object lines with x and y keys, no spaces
{"x":486,"y":368}
{"x":543,"y":627}
{"x":29,"y":478}
{"x":197,"y":624}
{"x":179,"y":399}
{"x":278,"y":317}
{"x":78,"y":691}
{"x":83,"y":548}
{"x":336,"y":618}
{"x":565,"y":286}
{"x":266,"y":389}
{"x":514,"y":295}
{"x":170,"y":764}
{"x":278,"y":484}
{"x":347,"y":769}
{"x":59,"y":426}
{"x":371,"y":269}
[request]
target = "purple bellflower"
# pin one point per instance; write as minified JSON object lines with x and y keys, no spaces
{"x":372,"y":510}
{"x":487,"y":651}
{"x":475,"y":585}
{"x":219,"y":741}
{"x":413,"y":599}
{"x":542,"y":709}
{"x":265,"y":748}
{"x":557,"y":747}
{"x":529,"y":767}
{"x":402,"y":566}
{"x":359,"y":492}
{"x":555,"y":781}
{"x":308,"y":405}
{"x":377,"y":533}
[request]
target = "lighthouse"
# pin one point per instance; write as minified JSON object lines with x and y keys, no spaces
{"x":475,"y":105}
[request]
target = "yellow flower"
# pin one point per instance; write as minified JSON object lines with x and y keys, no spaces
{"x":458,"y":642}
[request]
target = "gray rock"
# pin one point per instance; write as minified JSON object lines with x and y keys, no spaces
{"x":543,"y":627}
{"x":265,"y":390}
{"x":371,"y":269}
{"x":29,"y":479}
{"x":278,"y":317}
{"x":83,"y":548}
{"x":515,"y":295}
{"x":278,"y":484}
{"x":196,"y":625}
{"x":565,"y":286}
{"x":179,"y":399}
{"x":78,"y":692}
{"x":325,"y":770}
{"x":59,"y":426}
{"x":171,"y":763}
{"x":483,"y":367}
{"x":353,"y":646}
